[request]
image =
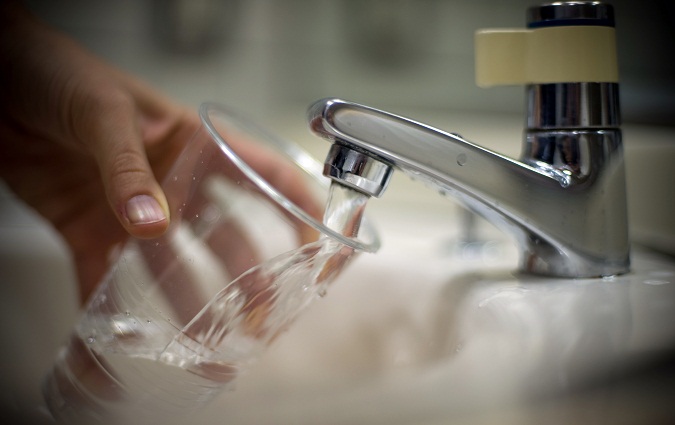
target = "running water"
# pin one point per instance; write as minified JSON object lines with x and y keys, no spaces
{"x":143,"y":366}
{"x":248,"y":314}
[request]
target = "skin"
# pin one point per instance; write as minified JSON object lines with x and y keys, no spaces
{"x":79,"y":139}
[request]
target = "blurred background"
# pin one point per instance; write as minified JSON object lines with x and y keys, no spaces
{"x":272,"y":58}
{"x":266,"y":56}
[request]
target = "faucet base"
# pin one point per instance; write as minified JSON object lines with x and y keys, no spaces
{"x":538,"y":257}
{"x":588,"y":231}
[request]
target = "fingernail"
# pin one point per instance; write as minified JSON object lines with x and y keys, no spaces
{"x":144,"y":209}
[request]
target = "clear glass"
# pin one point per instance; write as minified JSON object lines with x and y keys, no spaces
{"x":178,"y":318}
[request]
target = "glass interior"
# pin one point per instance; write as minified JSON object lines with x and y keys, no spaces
{"x":231,"y":131}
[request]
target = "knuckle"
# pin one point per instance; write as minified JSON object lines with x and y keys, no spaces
{"x":127,"y":165}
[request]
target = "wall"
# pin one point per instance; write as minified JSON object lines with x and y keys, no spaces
{"x":265,"y":55}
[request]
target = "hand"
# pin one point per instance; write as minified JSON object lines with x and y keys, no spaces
{"x":83,"y":143}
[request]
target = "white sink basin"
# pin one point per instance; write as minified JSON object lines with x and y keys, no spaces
{"x":424,"y":332}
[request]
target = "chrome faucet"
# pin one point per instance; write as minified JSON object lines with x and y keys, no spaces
{"x":564,"y":200}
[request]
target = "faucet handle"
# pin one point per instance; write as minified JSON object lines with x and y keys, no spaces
{"x":545,"y":55}
{"x":567,"y":59}
{"x":564,"y":42}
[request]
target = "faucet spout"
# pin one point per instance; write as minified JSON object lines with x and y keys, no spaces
{"x":564,"y":201}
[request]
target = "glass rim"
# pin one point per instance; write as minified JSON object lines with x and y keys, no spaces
{"x":294,"y":153}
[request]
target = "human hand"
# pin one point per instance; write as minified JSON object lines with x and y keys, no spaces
{"x":85,"y":144}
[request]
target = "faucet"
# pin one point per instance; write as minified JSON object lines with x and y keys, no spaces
{"x":564,"y":200}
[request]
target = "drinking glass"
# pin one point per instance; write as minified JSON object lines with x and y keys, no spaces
{"x":177,"y":318}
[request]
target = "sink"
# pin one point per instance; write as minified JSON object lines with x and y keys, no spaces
{"x":431,"y":330}
{"x":434,"y":328}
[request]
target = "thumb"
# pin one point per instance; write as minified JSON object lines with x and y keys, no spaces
{"x":130,"y":186}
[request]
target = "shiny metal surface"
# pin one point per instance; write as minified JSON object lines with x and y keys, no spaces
{"x":564,"y":202}
{"x":573,"y":105}
{"x":357,"y":170}
{"x":571,"y":13}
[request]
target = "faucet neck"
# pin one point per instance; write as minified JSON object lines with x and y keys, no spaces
{"x":573,"y":106}
{"x":570,"y":104}
{"x":573,"y":128}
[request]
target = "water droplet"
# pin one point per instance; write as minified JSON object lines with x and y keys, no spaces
{"x":322,"y":293}
{"x":91,"y":340}
{"x":127,"y":313}
{"x":461,"y":159}
{"x":655,"y":282}
{"x":175,"y":178}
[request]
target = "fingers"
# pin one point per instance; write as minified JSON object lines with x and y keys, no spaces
{"x":107,"y":124}
{"x":286,"y":178}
